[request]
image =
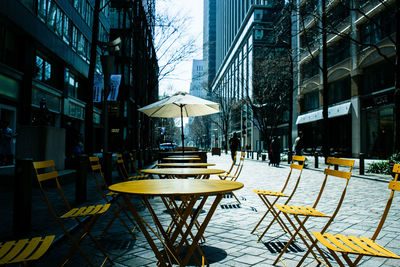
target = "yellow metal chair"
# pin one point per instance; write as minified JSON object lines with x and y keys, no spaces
{"x":24,"y":250}
{"x":297,"y":164}
{"x":301,"y":214}
{"x":123,"y":172}
{"x":135,"y":170}
{"x":231,"y":168}
{"x":110,"y":197}
{"x":359,"y":246}
{"x":235,"y":176}
{"x":45,"y":171}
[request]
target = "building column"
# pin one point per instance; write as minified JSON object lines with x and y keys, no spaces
{"x":25,"y":97}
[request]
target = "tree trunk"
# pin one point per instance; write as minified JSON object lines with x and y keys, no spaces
{"x":89,"y":138}
{"x":396,"y":134}
{"x":325,"y":92}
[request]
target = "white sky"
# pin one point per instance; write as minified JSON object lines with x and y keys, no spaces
{"x":181,"y":77}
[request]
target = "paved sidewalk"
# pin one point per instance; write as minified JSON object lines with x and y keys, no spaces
{"x":228,"y":238}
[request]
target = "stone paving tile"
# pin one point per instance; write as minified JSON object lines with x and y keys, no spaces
{"x":228,"y":238}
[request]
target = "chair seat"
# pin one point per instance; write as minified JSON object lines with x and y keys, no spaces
{"x":353,"y":245}
{"x":300,"y":210}
{"x":112,"y":194}
{"x":224,"y":176}
{"x":270,"y":193}
{"x":86,"y":211}
{"x":24,"y":250}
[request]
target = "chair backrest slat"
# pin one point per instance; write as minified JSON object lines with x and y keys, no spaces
{"x":298,"y":158}
{"x":340,"y":161}
{"x":296,"y":166}
{"x":47,"y":176}
{"x":337,"y":173}
{"x":394,"y":185}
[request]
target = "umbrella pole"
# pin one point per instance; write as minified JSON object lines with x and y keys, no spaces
{"x":183,"y":138}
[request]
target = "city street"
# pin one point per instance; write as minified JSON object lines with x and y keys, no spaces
{"x":228,"y":238}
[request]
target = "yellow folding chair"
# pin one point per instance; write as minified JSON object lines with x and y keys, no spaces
{"x":123,"y":172}
{"x":236,"y":174}
{"x":45,"y":171}
{"x":134,"y":168}
{"x":301,"y":214}
{"x":231,"y":168}
{"x":297,"y":164}
{"x":24,"y":250}
{"x":359,"y":246}
{"x":110,"y":197}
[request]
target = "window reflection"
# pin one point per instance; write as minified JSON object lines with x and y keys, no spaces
{"x":43,"y":69}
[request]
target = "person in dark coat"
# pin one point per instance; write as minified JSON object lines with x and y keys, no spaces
{"x":276,"y":152}
{"x":234,"y":145}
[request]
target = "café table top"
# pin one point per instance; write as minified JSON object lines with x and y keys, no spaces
{"x":182,"y":159}
{"x":184,"y":164}
{"x":183,"y":156}
{"x":182,"y":171}
{"x":176,"y":187}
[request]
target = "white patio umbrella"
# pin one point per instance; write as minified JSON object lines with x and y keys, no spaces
{"x":180,"y":105}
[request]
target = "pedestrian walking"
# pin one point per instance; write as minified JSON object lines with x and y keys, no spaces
{"x":299,"y":144}
{"x":275,"y":152}
{"x":6,"y":136}
{"x":234,"y":145}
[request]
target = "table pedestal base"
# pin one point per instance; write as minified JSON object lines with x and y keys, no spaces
{"x":184,"y":229}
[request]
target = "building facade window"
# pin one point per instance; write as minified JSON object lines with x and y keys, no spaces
{"x":338,"y":14}
{"x":311,"y":101}
{"x":378,"y":77}
{"x":339,"y":90}
{"x":57,"y":21}
{"x":42,"y":70}
{"x":338,"y":52}
{"x":71,"y":83}
{"x":377,"y":28}
{"x":309,"y":69}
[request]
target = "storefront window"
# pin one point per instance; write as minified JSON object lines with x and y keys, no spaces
{"x":379,"y":132}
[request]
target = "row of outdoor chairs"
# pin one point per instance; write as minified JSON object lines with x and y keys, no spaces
{"x":297,"y":217}
{"x":26,"y":250}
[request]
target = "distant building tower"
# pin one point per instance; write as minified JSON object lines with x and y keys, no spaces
{"x":196,"y":85}
{"x":242,"y":32}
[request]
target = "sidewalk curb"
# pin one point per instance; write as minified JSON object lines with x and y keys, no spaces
{"x":367,"y":177}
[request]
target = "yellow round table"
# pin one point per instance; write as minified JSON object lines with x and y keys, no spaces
{"x":183,"y":156}
{"x":198,"y":173}
{"x":186,"y":226}
{"x":185,"y":165}
{"x":179,"y":159}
